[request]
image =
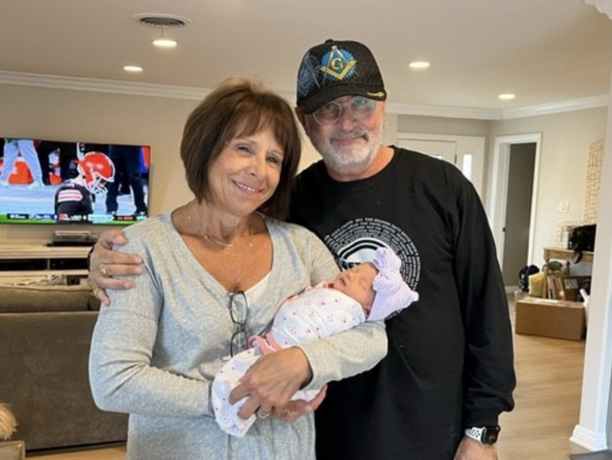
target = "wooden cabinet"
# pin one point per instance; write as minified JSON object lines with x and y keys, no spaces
{"x":552,"y":253}
{"x":31,"y":261}
{"x":563,"y":286}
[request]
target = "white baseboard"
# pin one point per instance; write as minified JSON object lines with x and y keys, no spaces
{"x":589,"y":439}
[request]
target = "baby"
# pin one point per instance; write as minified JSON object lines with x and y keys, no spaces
{"x":369,"y":291}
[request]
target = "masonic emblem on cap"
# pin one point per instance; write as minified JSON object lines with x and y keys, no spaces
{"x":337,"y":64}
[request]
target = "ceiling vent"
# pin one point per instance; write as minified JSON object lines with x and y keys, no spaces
{"x":161,"y":20}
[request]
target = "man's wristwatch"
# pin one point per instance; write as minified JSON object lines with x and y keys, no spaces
{"x":485,"y":434}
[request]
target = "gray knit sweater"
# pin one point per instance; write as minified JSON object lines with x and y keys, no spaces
{"x":156,"y":349}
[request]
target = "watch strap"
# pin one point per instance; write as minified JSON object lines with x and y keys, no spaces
{"x":475,"y":433}
{"x":485,"y":434}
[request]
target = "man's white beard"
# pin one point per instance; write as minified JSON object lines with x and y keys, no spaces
{"x":350,"y":159}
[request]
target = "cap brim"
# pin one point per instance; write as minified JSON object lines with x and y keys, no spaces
{"x":326,"y":95}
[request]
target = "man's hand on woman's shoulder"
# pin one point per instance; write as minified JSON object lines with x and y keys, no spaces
{"x":105,"y":264}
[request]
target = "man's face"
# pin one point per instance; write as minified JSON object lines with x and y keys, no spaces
{"x":349,"y":145}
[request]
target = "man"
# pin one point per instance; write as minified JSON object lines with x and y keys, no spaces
{"x":448,"y":373}
{"x":76,"y":197}
{"x":12,"y":148}
{"x":127,"y":159}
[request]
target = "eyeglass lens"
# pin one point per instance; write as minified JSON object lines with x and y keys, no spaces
{"x":238,"y":307}
{"x":360,"y":108}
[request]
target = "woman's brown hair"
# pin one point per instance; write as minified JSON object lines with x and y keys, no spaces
{"x":240,"y":104}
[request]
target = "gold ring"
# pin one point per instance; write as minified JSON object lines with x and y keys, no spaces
{"x":104,"y":270}
{"x":95,"y":291}
{"x":262,"y":415}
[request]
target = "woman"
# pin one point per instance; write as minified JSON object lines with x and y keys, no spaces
{"x":215,"y":269}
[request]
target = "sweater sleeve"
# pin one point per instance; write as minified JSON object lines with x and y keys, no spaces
{"x":345,"y":354}
{"x":490,"y":377}
{"x":122,"y":375}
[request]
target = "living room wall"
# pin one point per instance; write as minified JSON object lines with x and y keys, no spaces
{"x":566,"y":141}
{"x":62,"y":114}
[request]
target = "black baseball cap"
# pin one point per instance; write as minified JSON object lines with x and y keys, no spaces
{"x":334,"y":69}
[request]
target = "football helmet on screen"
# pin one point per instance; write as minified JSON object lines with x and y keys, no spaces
{"x":96,"y":169}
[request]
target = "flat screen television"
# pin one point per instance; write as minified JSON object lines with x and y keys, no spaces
{"x":50,"y":182}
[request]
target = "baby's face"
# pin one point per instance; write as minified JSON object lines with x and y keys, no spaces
{"x":356,"y":282}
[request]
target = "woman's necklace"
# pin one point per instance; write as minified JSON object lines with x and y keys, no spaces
{"x":214,"y":241}
{"x":211,"y":240}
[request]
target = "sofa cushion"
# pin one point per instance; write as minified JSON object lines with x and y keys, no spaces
{"x":44,"y":379}
{"x":34,"y":298}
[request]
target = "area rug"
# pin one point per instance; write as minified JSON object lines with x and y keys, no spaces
{"x":600,"y":455}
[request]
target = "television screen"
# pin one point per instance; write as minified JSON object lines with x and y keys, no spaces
{"x":48,"y":182}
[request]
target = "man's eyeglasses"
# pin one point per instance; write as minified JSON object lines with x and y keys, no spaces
{"x":359,"y":106}
{"x":239,"y":310}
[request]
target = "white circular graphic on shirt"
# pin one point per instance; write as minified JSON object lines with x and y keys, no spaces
{"x":357,"y":240}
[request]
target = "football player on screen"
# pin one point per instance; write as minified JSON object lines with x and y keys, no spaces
{"x":76,"y":197}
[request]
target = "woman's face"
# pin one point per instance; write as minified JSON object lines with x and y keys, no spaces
{"x":246,"y":172}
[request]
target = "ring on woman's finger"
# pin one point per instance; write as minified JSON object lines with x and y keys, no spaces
{"x":95,"y":291}
{"x":104,"y":270}
{"x":261,"y":414}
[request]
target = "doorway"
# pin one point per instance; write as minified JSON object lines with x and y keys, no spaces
{"x":513,"y":202}
{"x":518,"y":211}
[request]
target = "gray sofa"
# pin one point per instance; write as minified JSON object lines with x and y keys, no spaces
{"x":45,"y":335}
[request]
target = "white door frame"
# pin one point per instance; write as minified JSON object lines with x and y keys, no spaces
{"x":499,"y":189}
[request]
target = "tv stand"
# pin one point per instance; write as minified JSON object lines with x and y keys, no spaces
{"x":22,"y":262}
{"x":89,"y":244}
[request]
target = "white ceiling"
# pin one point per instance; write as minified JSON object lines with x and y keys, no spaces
{"x":546,"y":51}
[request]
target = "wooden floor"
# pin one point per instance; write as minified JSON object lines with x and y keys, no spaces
{"x":114,"y":452}
{"x":549,"y":373}
{"x":547,"y":396}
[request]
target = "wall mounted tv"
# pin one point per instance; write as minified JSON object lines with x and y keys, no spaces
{"x":49,"y":182}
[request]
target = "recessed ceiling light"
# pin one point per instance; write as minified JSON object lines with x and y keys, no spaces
{"x":166,"y":43}
{"x":506,"y":96}
{"x":419,"y":65}
{"x":132,"y":68}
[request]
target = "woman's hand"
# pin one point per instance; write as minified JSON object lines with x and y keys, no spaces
{"x":104,"y":264}
{"x":272,"y":381}
{"x":295,"y":409}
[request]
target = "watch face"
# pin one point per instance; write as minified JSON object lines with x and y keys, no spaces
{"x":490,"y":434}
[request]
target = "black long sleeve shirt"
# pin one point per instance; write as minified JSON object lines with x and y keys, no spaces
{"x":450,"y":359}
